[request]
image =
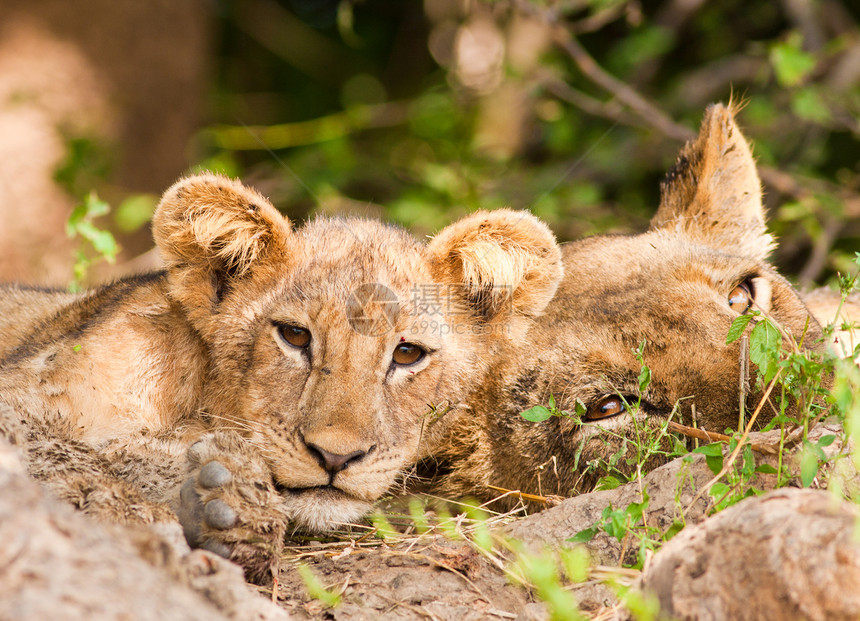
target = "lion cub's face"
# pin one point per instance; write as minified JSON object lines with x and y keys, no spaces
{"x":343,"y":350}
{"x":675,"y":298}
{"x":676,"y":289}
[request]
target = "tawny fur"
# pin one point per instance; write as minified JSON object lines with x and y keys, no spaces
{"x":116,"y":383}
{"x":668,"y":289}
{"x":133,"y":373}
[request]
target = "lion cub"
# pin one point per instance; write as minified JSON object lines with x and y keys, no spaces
{"x":322,"y":361}
{"x":676,"y":288}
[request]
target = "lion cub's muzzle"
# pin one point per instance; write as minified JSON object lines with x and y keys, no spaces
{"x":333,"y":463}
{"x":335,"y":457}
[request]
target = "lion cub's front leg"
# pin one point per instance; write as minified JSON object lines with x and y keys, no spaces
{"x":229,"y":504}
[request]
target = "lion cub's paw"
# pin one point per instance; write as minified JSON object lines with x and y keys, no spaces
{"x":229,"y":504}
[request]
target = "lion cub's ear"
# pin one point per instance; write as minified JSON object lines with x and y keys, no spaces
{"x":212,"y":230}
{"x":713,"y":194}
{"x":506,"y":264}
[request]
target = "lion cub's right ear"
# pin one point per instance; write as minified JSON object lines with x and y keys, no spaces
{"x":506,"y":266}
{"x":212,"y":230}
{"x":713,"y":194}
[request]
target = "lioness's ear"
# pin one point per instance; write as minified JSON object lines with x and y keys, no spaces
{"x":504,"y":262}
{"x":713,"y":194}
{"x":212,"y":230}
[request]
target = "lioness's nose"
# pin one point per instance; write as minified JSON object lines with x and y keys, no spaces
{"x":332,"y":462}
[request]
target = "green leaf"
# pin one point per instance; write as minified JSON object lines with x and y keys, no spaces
{"x":79,"y":212}
{"x":635,"y":511}
{"x":713,"y":456}
{"x":808,"y":466}
{"x":673,"y":530}
{"x":135,"y":211}
{"x":418,"y":515}
{"x":817,"y":451}
{"x":826,"y":440}
{"x":384,"y":529}
{"x":766,"y":469}
{"x":95,"y":206}
{"x":644,"y":379}
{"x":738,"y":326}
{"x":721,"y":492}
{"x":105,"y":244}
{"x":808,"y":104}
{"x":614,"y":521}
{"x":537,"y":414}
{"x":791,"y":63}
{"x":748,"y":466}
{"x":639,"y":46}
{"x":585,"y":535}
{"x":607,"y":482}
{"x":315,"y":588}
{"x":718,"y":490}
{"x":765,"y":346}
{"x":713,"y":450}
{"x":575,"y":562}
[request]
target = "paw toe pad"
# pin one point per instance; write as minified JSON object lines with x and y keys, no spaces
{"x":219,"y":514}
{"x":214,"y":474}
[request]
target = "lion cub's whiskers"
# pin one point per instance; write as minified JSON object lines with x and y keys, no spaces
{"x":244,"y":424}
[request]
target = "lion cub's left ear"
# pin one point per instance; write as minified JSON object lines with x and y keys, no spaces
{"x":506,"y":264}
{"x":713,"y":193}
{"x":212,"y":230}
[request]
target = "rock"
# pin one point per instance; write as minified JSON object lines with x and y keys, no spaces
{"x":790,"y":554}
{"x":56,"y":563}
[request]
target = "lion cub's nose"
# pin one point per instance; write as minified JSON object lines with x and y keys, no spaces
{"x":332,"y":462}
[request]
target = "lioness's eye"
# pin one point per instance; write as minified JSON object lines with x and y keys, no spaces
{"x":604,"y":408}
{"x":740,"y":299}
{"x":294,"y":335}
{"x":407,"y":353}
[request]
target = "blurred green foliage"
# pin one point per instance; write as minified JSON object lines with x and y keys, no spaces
{"x":95,"y":244}
{"x":420,"y":112}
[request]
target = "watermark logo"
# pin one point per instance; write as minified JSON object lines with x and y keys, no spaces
{"x":372,"y":309}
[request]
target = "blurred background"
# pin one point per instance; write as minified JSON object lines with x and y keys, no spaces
{"x":414,"y":111}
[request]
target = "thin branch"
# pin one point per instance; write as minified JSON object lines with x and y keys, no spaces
{"x":611,"y":109}
{"x":713,"y":436}
{"x":727,"y":463}
{"x":821,"y":248}
{"x":285,"y":135}
{"x":628,"y":96}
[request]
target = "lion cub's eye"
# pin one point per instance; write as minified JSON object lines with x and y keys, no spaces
{"x":407,"y":353}
{"x":740,"y":299}
{"x":604,"y":408}
{"x":295,"y":336}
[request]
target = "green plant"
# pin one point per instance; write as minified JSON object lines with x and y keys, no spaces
{"x":624,"y":463}
{"x":95,"y":244}
{"x":545,"y":572}
{"x":315,"y":588}
{"x":539,"y":413}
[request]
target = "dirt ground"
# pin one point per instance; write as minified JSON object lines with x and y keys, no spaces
{"x":57,"y":563}
{"x":434,"y":577}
